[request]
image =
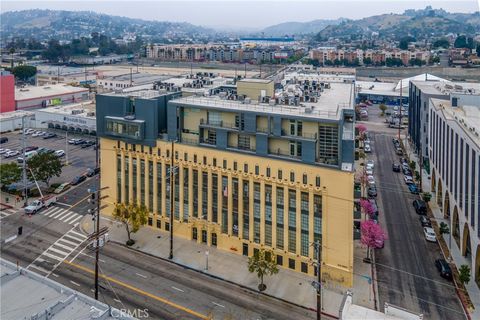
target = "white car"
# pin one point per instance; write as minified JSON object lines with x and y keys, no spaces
{"x":371,"y":180}
{"x":28,"y":131}
{"x":59,"y":153}
{"x":369,"y":172}
{"x":37,"y":134}
{"x":408,"y":180}
{"x":367,"y":148}
{"x":10,"y":154}
{"x":370,"y":164}
{"x":429,"y":234}
{"x":2,"y":151}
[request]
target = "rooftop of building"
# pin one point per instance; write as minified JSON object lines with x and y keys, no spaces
{"x":328,"y":106}
{"x":254,"y":80}
{"x":394,"y":88}
{"x":468,"y":117}
{"x":26,"y":295}
{"x":14,"y":115}
{"x":61,"y":70}
{"x":82,"y":109}
{"x":446,"y":87}
{"x":137,"y":78}
{"x":138,"y":92}
{"x":35,"y":92}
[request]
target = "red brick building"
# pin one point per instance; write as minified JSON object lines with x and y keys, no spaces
{"x":7,"y":92}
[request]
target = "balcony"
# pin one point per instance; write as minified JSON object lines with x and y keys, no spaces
{"x":241,"y":148}
{"x":218,"y":124}
{"x":283,"y":154}
{"x":302,"y":136}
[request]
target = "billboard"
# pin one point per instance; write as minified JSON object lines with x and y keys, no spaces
{"x":280,"y":55}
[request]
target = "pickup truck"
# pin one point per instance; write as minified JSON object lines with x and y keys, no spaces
{"x":37,"y":205}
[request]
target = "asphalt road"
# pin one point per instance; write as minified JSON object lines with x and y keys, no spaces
{"x":407,"y":276}
{"x":132,"y":280}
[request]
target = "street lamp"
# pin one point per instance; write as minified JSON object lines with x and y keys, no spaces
{"x":206,"y":260}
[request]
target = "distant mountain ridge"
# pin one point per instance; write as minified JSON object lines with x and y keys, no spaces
{"x":299,"y":28}
{"x":46,"y":24}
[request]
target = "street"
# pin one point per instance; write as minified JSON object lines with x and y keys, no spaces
{"x":54,"y":247}
{"x":407,"y":276}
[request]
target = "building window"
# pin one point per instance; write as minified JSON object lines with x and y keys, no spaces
{"x":257,"y":170}
{"x":292,"y":221}
{"x":317,"y":218}
{"x":245,"y":168}
{"x":159,"y":224}
{"x":279,"y":260}
{"x":292,"y":176}
{"x":328,"y":144}
{"x":194,"y":233}
{"x":185,"y":194}
{"x":167,"y":226}
{"x":185,"y":157}
{"x":304,"y":267}
{"x":317,"y":181}
{"x":142,"y":148}
{"x":280,"y":217}
{"x":159,"y":188}
{"x":246,"y":209}
{"x":304,"y":205}
{"x":204,"y":195}
{"x":280,"y":174}
{"x":305,"y":178}
{"x":150,"y":186}
{"x":142,"y":182}
{"x":168,"y":153}
{"x":119,"y":178}
{"x":235,"y":165}
{"x":150,"y":149}
{"x":214,"y":162}
{"x":234,"y":207}
{"x":212,"y":137}
{"x":224,"y":164}
{"x":291,"y":263}
{"x":215,"y":197}
{"x":268,"y":215}
{"x":256,"y":212}
{"x":204,"y":160}
{"x":195,"y":158}
{"x":224,"y":204}
{"x":134,"y":178}
{"x":243,"y":142}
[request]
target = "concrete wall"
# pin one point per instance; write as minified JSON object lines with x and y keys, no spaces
{"x":253,"y":89}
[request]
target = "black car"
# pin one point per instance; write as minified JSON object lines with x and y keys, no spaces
{"x":3,"y":139}
{"x":31,"y":148}
{"x":425,"y":221}
{"x":444,"y":269}
{"x":91,"y":172}
{"x":49,"y":135}
{"x":396,"y":167}
{"x":420,"y":207}
{"x":395,"y":141}
{"x":78,"y":180}
{"x":372,"y":192}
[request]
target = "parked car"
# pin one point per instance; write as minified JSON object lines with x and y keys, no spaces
{"x":37,"y":134}
{"x":3,"y":139}
{"x":78,"y":179}
{"x":91,"y":172}
{"x":370,"y":164}
{"x":399,"y":151}
{"x":420,"y":207}
{"x":407,"y":172}
{"x":72,"y":141}
{"x":59,"y":153}
{"x":429,"y":234}
{"x":367,"y":148}
{"x":369,"y":172}
{"x":413,"y":188}
{"x":29,"y":131}
{"x":31,"y":148}
{"x":11,"y":153}
{"x":425,"y":221}
{"x":62,"y":187}
{"x":403,"y":160}
{"x":408,"y":179}
{"x":87,"y":144}
{"x":49,"y":135}
{"x":371,"y":180}
{"x":372,"y":191}
{"x":395,"y":140}
{"x":2,"y":151}
{"x":444,"y":268}
{"x":396,"y":167}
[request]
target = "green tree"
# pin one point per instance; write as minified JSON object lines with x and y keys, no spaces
{"x":12,"y":51}
{"x":464,"y":274}
{"x":412,"y":165}
{"x":478,"y":49}
{"x":463,"y":41}
{"x":426,"y":196}
{"x":382,"y":108}
{"x":44,"y":167}
{"x":367,"y":61}
{"x":404,"y":42}
{"x":444,"y":228}
{"x":24,"y":72}
{"x":10,"y":172}
{"x":132,"y":216}
{"x":441,"y":43}
{"x":262,"y":263}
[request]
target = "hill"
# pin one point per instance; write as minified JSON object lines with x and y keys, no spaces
{"x":299,"y":28}
{"x":66,"y":25}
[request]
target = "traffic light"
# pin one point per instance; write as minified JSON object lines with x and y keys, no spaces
{"x":20,"y":230}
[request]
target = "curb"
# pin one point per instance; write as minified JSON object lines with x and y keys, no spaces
{"x":6,"y":205}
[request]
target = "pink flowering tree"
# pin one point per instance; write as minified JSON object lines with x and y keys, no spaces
{"x":372,"y":235}
{"x":367,"y":207}
{"x":361,"y":130}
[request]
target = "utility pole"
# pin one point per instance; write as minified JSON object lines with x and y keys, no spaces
{"x":24,"y":166}
{"x":245,"y":75}
{"x":131,"y":77}
{"x":85,"y":74}
{"x":318,"y":283}
{"x":58,"y":74}
{"x":400,"y":115}
{"x":171,"y":199}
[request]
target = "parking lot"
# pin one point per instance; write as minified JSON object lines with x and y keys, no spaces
{"x":79,"y":159}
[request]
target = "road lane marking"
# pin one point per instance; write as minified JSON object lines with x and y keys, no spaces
{"x":84,"y":254}
{"x":64,"y":204}
{"x":217,"y":304}
{"x":55,"y":275}
{"x":178,"y":289}
{"x":73,"y":282}
{"x":141,"y":275}
{"x":76,"y":219}
{"x":140,"y":291}
{"x":52,"y":211}
{"x":67,"y":216}
{"x":73,"y":218}
{"x":117,"y":300}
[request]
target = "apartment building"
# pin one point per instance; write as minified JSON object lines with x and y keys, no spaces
{"x":272,"y":173}
{"x":454,"y":146}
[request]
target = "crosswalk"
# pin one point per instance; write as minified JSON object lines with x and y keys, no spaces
{"x":62,"y":214}
{"x":52,"y":257}
{"x":7,"y":212}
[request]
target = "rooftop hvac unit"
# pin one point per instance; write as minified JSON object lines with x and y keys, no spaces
{"x":247,"y":100}
{"x":271,"y":102}
{"x":222,"y":95}
{"x":458,"y":87}
{"x":448,"y":86}
{"x":76,"y":111}
{"x":308,"y":109}
{"x":91,"y":114}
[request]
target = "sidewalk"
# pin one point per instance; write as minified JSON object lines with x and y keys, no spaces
{"x":10,"y":201}
{"x":472,"y":288}
{"x":287,"y":285}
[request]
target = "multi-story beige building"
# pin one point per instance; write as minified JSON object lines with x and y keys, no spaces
{"x":248,"y":175}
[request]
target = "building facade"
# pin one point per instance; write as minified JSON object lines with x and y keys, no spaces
{"x":247,"y":175}
{"x":454,"y":146}
{"x":7,"y":86}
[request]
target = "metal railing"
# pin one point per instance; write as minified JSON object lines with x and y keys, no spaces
{"x":306,"y":135}
{"x":220,"y":124}
{"x":282,"y":153}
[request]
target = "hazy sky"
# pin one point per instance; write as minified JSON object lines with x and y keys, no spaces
{"x":246,"y":14}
